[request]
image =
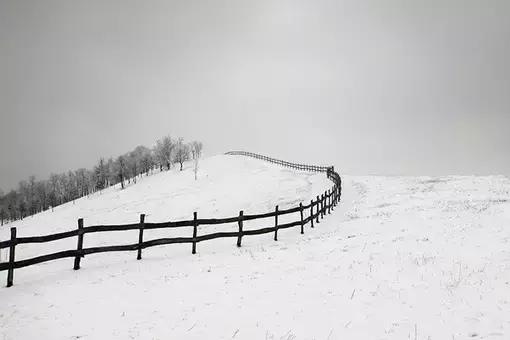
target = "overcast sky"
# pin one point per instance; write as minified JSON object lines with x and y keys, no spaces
{"x":373,"y":87}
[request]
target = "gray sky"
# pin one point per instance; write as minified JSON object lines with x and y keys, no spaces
{"x":374,"y":87}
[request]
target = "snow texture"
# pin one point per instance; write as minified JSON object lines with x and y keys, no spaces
{"x":399,"y":258}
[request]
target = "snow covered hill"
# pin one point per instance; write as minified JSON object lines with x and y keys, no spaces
{"x":399,"y":258}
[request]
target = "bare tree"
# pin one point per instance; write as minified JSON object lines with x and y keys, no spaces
{"x":33,"y":196}
{"x":196,"y":152}
{"x":139,"y":161}
{"x":31,"y":199}
{"x":81,"y":181}
{"x":91,"y":186}
{"x":121,"y":169}
{"x":164,"y":150}
{"x":63,"y":188}
{"x":196,"y":149}
{"x":71,"y":186}
{"x":12,"y":204}
{"x":195,"y":168}
{"x":53,"y":196}
{"x":159,"y":154}
{"x":181,"y":152}
{"x":147,"y":161}
{"x":101,"y":173}
{"x":23,"y":198}
{"x":109,"y":172}
{"x":42,"y":194}
{"x":132,"y":165}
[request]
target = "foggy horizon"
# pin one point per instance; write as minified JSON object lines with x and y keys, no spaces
{"x":130,"y":229}
{"x":398,"y":88}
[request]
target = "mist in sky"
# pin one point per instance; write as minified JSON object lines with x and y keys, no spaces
{"x":373,"y":87}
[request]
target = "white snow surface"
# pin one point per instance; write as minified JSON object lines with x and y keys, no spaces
{"x":399,"y":258}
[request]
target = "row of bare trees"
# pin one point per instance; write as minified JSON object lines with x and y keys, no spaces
{"x":33,"y":196}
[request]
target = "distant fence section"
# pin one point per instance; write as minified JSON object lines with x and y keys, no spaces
{"x":314,"y":211}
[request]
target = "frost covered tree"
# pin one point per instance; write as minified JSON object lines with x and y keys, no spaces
{"x":195,"y":167}
{"x":139,"y":161}
{"x":159,"y":154}
{"x":196,"y":152}
{"x":41,"y":189}
{"x":71,"y":187}
{"x":12,"y":202}
{"x":63,"y":188}
{"x":101,"y":172}
{"x":147,"y":161}
{"x":163,"y":151}
{"x":81,"y":181}
{"x":121,"y":170}
{"x":109,"y":172}
{"x":23,"y":198}
{"x":53,"y":190}
{"x":132,"y":165}
{"x":33,"y":196}
{"x":181,"y":152}
{"x":196,"y":149}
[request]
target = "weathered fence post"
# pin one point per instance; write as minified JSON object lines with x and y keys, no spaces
{"x":12,"y":250}
{"x":318,"y":210}
{"x":195,"y":224}
{"x":79,"y":247}
{"x":339,"y":189}
{"x":322,"y":206}
{"x":301,"y":213}
{"x":140,"y":236}
{"x":276,"y":224}
{"x":240,"y":228}
{"x":311,"y":213}
{"x":325,"y":202}
{"x":325,"y":199}
{"x":329,"y":202}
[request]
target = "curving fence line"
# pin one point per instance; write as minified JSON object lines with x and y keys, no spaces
{"x":315,"y":210}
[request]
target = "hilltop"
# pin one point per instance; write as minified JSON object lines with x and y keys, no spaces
{"x":399,"y":257}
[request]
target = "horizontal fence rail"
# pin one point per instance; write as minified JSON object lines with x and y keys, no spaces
{"x":309,"y":213}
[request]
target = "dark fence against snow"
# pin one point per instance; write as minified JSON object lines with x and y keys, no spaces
{"x":322,"y":205}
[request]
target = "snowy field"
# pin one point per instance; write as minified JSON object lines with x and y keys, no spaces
{"x":399,"y":258}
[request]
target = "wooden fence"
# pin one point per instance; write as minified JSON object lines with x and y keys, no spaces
{"x":315,"y":210}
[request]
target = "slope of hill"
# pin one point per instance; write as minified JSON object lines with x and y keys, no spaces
{"x":225,"y":185}
{"x":400,"y":258}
